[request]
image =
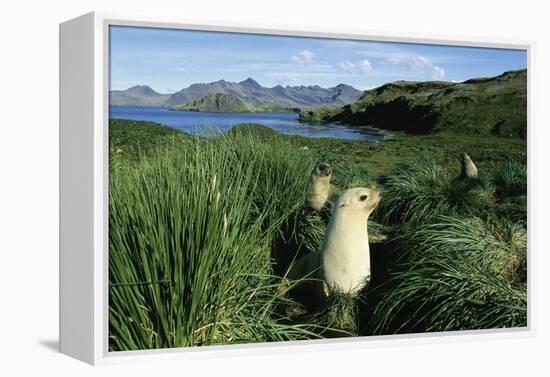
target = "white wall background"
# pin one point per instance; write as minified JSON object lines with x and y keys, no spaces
{"x":29,"y":184}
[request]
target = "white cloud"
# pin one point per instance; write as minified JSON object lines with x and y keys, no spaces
{"x":417,"y":63}
{"x":347,"y":66}
{"x":414,"y":62}
{"x":362,"y":67}
{"x":181,"y":69}
{"x":438,"y":72}
{"x":303,"y":56}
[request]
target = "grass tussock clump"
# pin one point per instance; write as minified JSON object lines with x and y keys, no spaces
{"x":421,"y":190}
{"x":511,"y":191}
{"x":342,"y":315}
{"x":511,"y":179}
{"x":189,"y":244}
{"x":456,"y":274}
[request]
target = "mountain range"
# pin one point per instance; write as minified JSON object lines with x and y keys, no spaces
{"x":248,"y":90}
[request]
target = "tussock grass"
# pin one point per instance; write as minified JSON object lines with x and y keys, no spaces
{"x":455,"y":274}
{"x":511,"y":179}
{"x":202,"y":229}
{"x":342,"y":314}
{"x":421,"y":190}
{"x":189,"y":245}
{"x":511,"y":191}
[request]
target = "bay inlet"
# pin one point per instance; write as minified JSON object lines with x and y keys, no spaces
{"x":203,"y":122}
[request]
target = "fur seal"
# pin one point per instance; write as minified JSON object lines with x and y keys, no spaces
{"x":345,"y":255}
{"x":343,"y":264}
{"x":468,"y":168}
{"x":319,"y":190}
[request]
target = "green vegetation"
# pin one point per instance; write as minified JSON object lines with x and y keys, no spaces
{"x":318,"y":114}
{"x":486,"y":106}
{"x":227,"y":103}
{"x":455,"y":273}
{"x":376,"y":159}
{"x":219,"y":102}
{"x":130,"y":139}
{"x":201,"y":229}
{"x":512,"y":179}
{"x":421,"y":190}
{"x":191,"y":229}
{"x":458,"y":259}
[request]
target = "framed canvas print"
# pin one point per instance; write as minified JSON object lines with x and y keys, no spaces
{"x":226,"y":187}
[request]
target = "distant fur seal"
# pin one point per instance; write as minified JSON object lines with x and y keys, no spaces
{"x":468,"y":168}
{"x":319,"y":190}
{"x":345,"y":255}
{"x":343,"y":264}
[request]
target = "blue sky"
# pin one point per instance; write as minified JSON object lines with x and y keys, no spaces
{"x":168,"y":60}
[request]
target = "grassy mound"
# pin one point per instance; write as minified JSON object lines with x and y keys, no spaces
{"x":456,"y":274}
{"x":129,"y":139}
{"x":256,"y":131}
{"x":190,"y":235}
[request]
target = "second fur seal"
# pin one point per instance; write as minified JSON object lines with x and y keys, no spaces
{"x":467,"y":167}
{"x":319,"y":190}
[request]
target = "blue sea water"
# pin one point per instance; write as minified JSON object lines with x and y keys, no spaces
{"x":203,"y":122}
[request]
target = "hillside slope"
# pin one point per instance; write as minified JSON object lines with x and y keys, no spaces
{"x":496,"y":105}
{"x":218,"y":102}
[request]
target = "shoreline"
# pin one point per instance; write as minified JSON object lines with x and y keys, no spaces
{"x":376,"y":158}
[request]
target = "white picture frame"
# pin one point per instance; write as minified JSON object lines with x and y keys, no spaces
{"x":84,"y":85}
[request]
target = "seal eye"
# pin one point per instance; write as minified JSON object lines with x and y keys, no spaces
{"x":363,"y":197}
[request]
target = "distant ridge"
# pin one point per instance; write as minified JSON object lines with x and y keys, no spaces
{"x":217,"y":103}
{"x":139,"y":95}
{"x":248,"y":90}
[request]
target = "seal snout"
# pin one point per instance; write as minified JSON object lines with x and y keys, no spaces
{"x":375,"y":198}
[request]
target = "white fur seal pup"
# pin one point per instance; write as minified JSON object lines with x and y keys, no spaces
{"x":319,"y":190}
{"x":345,"y":255}
{"x":468,"y":168}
